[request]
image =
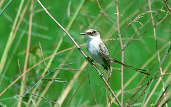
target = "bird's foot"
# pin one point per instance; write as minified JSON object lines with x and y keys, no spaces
{"x":101,"y":74}
{"x":90,"y":59}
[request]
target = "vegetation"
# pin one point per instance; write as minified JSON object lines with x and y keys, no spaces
{"x":41,"y":66}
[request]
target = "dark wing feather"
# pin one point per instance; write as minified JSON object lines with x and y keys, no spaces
{"x":103,"y":52}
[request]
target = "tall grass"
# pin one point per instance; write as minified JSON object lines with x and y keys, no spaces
{"x":53,"y":70}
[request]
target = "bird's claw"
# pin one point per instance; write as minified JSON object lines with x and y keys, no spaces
{"x":89,"y":59}
{"x":101,"y":74}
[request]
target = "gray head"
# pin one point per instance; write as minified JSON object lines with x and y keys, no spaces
{"x":91,"y":33}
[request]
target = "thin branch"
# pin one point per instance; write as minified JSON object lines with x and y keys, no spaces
{"x":1,"y":2}
{"x":66,"y":91}
{"x":46,"y":99}
{"x":42,"y":55}
{"x":142,"y":91}
{"x":156,"y":44}
{"x":78,"y":47}
{"x":169,"y":99}
{"x":46,"y":58}
{"x":10,"y":39}
{"x":32,"y":67}
{"x":103,"y":12}
{"x":57,"y":48}
{"x":135,"y":75}
{"x":67,"y":69}
{"x":14,"y":33}
{"x":53,"y":77}
{"x":5,"y":7}
{"x":167,"y":5}
{"x":75,"y":92}
{"x":35,"y":65}
{"x":27,"y":55}
{"x":155,"y":86}
{"x":41,"y":61}
{"x":122,"y":54}
{"x":160,"y":98}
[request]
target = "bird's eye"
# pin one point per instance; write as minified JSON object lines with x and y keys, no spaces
{"x":94,"y":32}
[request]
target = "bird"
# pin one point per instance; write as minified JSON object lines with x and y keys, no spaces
{"x":99,"y":52}
{"x":97,"y":48}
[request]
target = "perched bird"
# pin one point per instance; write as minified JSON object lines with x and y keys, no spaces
{"x":99,"y":52}
{"x":97,"y":49}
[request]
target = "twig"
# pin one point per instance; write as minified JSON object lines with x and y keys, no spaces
{"x":67,"y":69}
{"x":10,"y":39}
{"x":27,"y":54}
{"x":169,"y":99}
{"x":1,"y":2}
{"x":41,"y":61}
{"x":53,"y":79}
{"x":167,"y":5}
{"x":134,"y":34}
{"x":47,"y":99}
{"x":157,"y":51}
{"x":142,"y":92}
{"x":134,"y":76}
{"x":14,"y":33}
{"x":60,"y":100}
{"x":32,"y":67}
{"x":6,"y":6}
{"x":41,"y":51}
{"x":162,"y":19}
{"x":75,"y":92}
{"x":104,"y":13}
{"x":57,"y":48}
{"x":160,"y":98}
{"x":154,"y":88}
{"x":54,"y":76}
{"x":78,"y":47}
{"x":122,"y":54}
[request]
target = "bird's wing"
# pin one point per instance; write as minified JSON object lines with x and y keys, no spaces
{"x":103,"y":52}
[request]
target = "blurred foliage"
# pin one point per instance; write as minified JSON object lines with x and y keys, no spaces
{"x":88,"y":88}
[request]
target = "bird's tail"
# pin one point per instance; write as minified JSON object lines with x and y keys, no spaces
{"x":129,"y":66}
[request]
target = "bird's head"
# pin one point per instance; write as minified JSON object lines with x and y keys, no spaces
{"x":91,"y":33}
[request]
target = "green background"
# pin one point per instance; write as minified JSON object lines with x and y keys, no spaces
{"x":77,"y":16}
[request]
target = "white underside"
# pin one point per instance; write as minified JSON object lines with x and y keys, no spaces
{"x":93,"y":48}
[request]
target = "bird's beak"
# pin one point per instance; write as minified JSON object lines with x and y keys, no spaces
{"x":83,"y":33}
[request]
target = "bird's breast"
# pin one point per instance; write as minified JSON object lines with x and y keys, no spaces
{"x":93,"y":48}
